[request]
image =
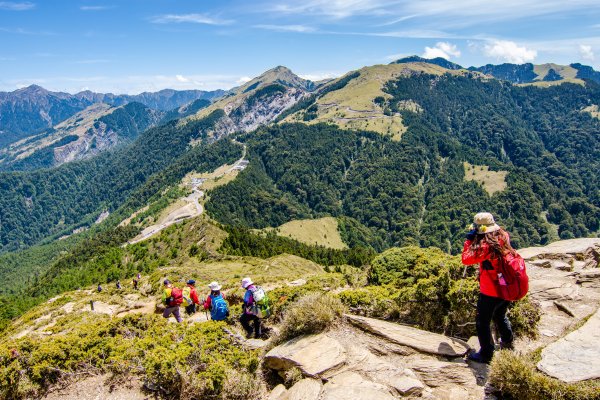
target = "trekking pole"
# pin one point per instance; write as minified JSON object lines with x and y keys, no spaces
{"x":464,"y":275}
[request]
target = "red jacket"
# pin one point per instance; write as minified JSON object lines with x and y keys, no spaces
{"x":488,"y":266}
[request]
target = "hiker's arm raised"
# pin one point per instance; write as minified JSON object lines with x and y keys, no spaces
{"x":474,"y":256}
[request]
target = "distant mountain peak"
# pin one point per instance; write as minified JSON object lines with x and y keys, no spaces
{"x":439,"y":61}
{"x":32,"y":89}
{"x":282,"y":75}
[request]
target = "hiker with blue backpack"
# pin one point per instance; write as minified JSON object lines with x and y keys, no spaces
{"x":502,"y":279}
{"x":255,"y":307}
{"x":190,"y":297}
{"x":216,"y":304}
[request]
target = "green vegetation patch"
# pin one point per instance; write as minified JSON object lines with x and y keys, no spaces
{"x":426,"y":287}
{"x":191,"y":358}
{"x":310,"y":314}
{"x":516,"y":377}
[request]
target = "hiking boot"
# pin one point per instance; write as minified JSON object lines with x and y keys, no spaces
{"x":506,"y":345}
{"x":477,"y":357}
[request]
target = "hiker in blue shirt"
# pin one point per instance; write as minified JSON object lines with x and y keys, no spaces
{"x":215,"y":302}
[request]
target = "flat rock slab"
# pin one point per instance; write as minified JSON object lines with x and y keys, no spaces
{"x":313,"y":355}
{"x":350,"y":385}
{"x":566,"y":247}
{"x":420,"y":340}
{"x":305,"y":389}
{"x":575,"y":357}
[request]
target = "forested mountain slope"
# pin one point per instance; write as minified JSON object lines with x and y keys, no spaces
{"x":41,"y":203}
{"x":415,"y":191}
{"x":44,"y":203}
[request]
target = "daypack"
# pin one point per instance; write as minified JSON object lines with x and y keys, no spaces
{"x":219,"y":310}
{"x":176,"y":297}
{"x":513,"y":284}
{"x":187,"y":296}
{"x":261,"y":307}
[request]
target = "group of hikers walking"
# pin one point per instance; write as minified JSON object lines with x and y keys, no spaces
{"x":254,"y":308}
{"x":502,"y":279}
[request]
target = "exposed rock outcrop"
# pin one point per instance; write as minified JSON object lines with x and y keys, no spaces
{"x":575,"y":357}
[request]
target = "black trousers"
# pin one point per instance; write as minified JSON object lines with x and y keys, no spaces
{"x":492,"y":309}
{"x":245,"y":319}
{"x":191,"y":309}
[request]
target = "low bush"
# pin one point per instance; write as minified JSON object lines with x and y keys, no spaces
{"x":428,"y":289}
{"x":516,"y":377}
{"x":312,"y":313}
{"x":184,"y":360}
{"x":372,"y":301}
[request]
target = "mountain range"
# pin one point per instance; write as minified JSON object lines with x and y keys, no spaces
{"x":32,"y":109}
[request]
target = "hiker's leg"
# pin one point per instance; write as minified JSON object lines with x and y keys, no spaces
{"x":502,"y":322}
{"x":177,"y":314}
{"x":167,"y":312}
{"x":257,"y":331}
{"x":485,"y":312}
{"x":245,"y":321}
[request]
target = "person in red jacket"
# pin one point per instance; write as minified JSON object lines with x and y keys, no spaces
{"x":486,"y":244}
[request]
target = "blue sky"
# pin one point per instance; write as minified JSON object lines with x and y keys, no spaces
{"x":129,"y":46}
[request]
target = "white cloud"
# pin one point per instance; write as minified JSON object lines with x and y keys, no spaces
{"x":509,"y":51}
{"x":287,"y":28}
{"x":586,"y":52}
{"x":133,"y":84}
{"x":181,"y":78}
{"x":334,"y":8}
{"x":442,"y":49}
{"x":243,"y":79}
{"x":190,"y":18}
{"x":12,"y":6}
{"x":95,"y":8}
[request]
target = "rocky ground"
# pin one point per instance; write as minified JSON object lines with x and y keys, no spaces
{"x":369,"y":358}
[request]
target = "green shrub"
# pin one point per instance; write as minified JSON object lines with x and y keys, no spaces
{"x":516,"y":377}
{"x":372,"y":301}
{"x":185,"y":360}
{"x":524,"y":317}
{"x":431,"y":292}
{"x":312,"y":313}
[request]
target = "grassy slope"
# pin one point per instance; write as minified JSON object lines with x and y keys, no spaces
{"x":353,"y":107}
{"x":492,"y":181}
{"x":320,"y":232}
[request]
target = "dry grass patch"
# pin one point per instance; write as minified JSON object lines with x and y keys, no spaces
{"x":492,"y":181}
{"x":311,"y":314}
{"x":320,"y":232}
{"x":593,"y":110}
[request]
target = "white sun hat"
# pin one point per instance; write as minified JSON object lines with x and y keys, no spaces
{"x":214,"y":286}
{"x":246,"y":282}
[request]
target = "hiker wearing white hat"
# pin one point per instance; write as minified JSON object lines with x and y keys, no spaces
{"x":215,"y":302}
{"x":487,"y":245}
{"x":247,"y":314}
